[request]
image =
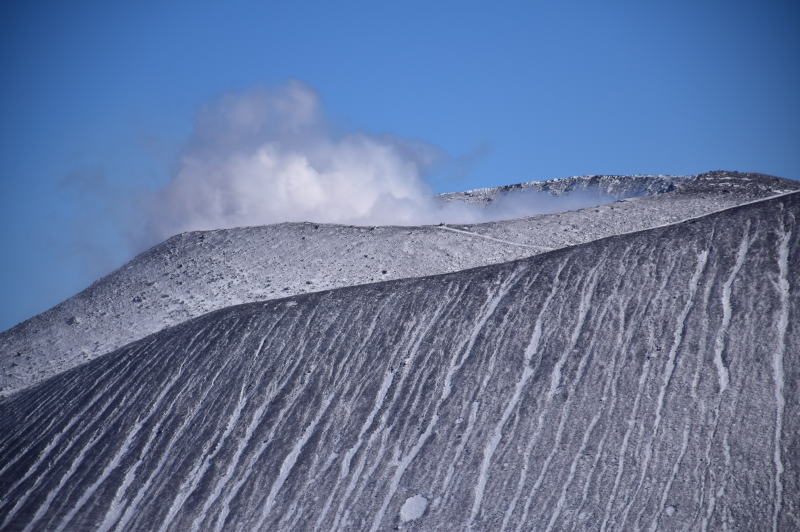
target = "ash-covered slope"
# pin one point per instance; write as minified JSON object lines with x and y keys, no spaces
{"x":633,"y":186}
{"x":647,"y":380}
{"x":617,"y":186}
{"x":194,"y":273}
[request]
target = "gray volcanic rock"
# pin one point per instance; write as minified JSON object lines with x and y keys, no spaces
{"x":687,"y":198}
{"x":617,"y":186}
{"x":644,"y":381}
{"x":194,"y":273}
{"x":747,"y":184}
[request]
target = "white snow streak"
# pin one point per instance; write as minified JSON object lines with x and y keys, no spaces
{"x":778,"y":371}
{"x":584,"y":306}
{"x":456,"y":362}
{"x":719,"y":345}
{"x":669,"y":370}
{"x":290,"y":461}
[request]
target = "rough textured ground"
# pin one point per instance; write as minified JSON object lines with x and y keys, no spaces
{"x":194,"y":273}
{"x":617,"y":186}
{"x":645,"y":381}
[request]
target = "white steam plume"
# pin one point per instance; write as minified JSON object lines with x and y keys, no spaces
{"x":269,"y":156}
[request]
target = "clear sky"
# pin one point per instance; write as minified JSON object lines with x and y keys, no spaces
{"x":98,"y":99}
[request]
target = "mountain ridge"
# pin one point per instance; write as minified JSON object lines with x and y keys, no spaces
{"x":647,"y":380}
{"x":193,"y":273}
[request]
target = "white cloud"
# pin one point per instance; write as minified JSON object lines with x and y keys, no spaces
{"x":269,"y":156}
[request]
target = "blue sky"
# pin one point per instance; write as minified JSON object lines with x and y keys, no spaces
{"x":98,"y":99}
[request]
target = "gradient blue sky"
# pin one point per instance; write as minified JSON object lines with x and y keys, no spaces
{"x":98,"y":98}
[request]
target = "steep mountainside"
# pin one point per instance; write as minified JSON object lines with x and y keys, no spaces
{"x":647,"y":380}
{"x":194,"y":273}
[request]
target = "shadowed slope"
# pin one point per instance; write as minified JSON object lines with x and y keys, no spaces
{"x":647,"y":380}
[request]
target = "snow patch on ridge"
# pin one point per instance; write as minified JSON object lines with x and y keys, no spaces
{"x":413,"y":508}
